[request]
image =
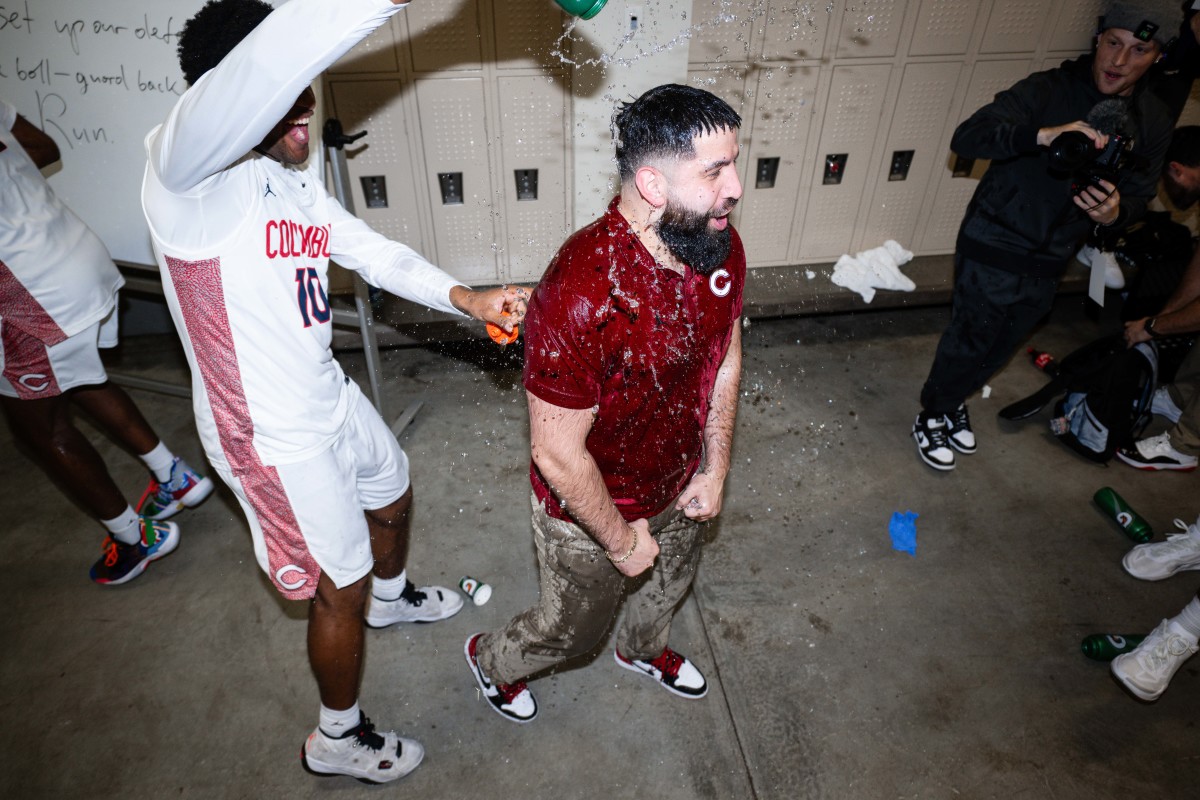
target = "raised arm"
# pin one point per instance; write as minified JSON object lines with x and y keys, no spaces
{"x":233,"y":106}
{"x":558,"y":437}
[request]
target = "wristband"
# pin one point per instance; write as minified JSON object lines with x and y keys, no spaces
{"x":625,"y":557}
{"x":1149,"y":328}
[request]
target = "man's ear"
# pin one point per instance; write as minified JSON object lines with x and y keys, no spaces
{"x":651,"y":185}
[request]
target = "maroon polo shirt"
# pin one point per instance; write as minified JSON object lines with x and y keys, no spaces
{"x":608,"y":328}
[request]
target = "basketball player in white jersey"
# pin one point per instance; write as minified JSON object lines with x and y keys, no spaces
{"x":58,"y":307}
{"x":243,"y":233}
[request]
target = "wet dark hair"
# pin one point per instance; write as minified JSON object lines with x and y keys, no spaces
{"x":1184,"y":146}
{"x":214,"y":30}
{"x":664,"y":121}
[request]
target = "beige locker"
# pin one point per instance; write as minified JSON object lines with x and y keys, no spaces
{"x":796,"y":31}
{"x":944,"y":27}
{"x":775,"y":137}
{"x":443,"y":36}
{"x":852,"y":117}
{"x":527,"y":33}
{"x":458,"y":176}
{"x":952,"y":194}
{"x":723,"y":32}
{"x":1076,"y":25}
{"x":871,"y":29}
{"x":377,"y":107}
{"x":534,"y":174}
{"x":908,"y":159}
{"x":376,"y":53}
{"x":1016,"y":26}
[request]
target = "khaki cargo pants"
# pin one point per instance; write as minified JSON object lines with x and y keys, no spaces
{"x":581,"y":592}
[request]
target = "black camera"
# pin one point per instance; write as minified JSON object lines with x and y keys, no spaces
{"x":1074,"y":153}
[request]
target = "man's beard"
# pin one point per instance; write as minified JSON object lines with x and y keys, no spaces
{"x":1181,"y":197}
{"x":688,"y":238}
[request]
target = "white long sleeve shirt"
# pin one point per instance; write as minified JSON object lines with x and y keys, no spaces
{"x":243,"y":243}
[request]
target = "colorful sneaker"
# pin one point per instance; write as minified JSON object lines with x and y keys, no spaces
{"x":673,"y":672}
{"x":1147,"y":669}
{"x":958,"y":430}
{"x":185,"y":488}
{"x":1155,"y":561}
{"x":513,"y":701}
{"x":1162,"y":405}
{"x":932,"y":442}
{"x":361,"y":753}
{"x":427,"y":604}
{"x":124,"y":562}
{"x":1156,"y":452}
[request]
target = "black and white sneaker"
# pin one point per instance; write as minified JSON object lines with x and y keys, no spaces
{"x":513,"y":701}
{"x":1156,"y":452}
{"x":958,"y":430}
{"x":932,"y":442}
{"x":361,"y":753}
{"x":674,"y":672}
{"x":427,"y":604}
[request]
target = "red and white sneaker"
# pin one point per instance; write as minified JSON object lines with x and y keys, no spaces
{"x":186,"y":488}
{"x":513,"y":701}
{"x":361,"y":753}
{"x":673,"y":672}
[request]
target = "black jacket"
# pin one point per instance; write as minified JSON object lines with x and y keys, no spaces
{"x":1023,"y":218}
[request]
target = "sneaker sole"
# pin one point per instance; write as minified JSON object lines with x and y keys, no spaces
{"x":960,"y":448}
{"x":1140,"y":694}
{"x":333,"y":773}
{"x":473,"y":666}
{"x":635,"y":668}
{"x":1158,"y":576}
{"x":1147,"y":467}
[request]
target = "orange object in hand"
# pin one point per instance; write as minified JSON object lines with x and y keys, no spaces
{"x":499,"y":335}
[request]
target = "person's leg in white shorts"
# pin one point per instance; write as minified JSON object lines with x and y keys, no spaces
{"x":38,"y":384}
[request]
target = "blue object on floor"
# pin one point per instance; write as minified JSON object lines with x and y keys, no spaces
{"x":903,"y":529}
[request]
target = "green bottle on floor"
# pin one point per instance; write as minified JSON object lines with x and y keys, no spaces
{"x":1107,"y":646}
{"x":1130,"y":521}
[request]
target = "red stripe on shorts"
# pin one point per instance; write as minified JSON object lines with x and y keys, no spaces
{"x":27,"y":364}
{"x":201,"y":296}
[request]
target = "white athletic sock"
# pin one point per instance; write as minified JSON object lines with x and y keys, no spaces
{"x":334,"y":724}
{"x":159,"y":461}
{"x":1189,"y":617}
{"x":388,"y":588}
{"x":125,"y":528}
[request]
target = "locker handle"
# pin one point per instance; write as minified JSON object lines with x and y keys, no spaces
{"x":451,"y":184}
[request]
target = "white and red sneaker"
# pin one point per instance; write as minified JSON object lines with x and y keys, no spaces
{"x":513,"y":701}
{"x":673,"y":672}
{"x":185,"y":489}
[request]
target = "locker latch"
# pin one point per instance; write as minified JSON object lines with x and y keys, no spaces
{"x":901,"y":161}
{"x":451,"y":184}
{"x":375,"y":190}
{"x":764,"y":175}
{"x":835,"y":167}
{"x":527,"y":180}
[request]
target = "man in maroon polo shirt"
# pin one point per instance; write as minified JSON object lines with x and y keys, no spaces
{"x":632,"y":362}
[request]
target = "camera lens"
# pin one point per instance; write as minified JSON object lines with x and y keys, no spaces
{"x":1071,"y":150}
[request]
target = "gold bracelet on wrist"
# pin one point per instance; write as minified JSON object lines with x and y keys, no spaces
{"x":625,"y":557}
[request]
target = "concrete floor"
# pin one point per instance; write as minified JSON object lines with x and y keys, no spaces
{"x":840,"y":668}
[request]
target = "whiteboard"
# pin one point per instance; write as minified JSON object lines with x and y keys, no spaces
{"x":96,"y":76}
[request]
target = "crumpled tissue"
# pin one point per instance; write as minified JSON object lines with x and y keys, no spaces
{"x":903,"y":529}
{"x":877,"y":268}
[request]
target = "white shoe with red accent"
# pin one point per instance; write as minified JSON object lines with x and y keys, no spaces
{"x":672,"y":671}
{"x":361,"y":753}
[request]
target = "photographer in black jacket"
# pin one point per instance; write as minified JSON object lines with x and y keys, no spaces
{"x":1031,"y":212}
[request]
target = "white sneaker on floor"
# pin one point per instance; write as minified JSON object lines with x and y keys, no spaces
{"x":1147,"y":669}
{"x":933,"y":441}
{"x":1155,"y":453}
{"x":1155,"y":561}
{"x":674,"y":672}
{"x":1162,"y":405}
{"x":361,"y":753}
{"x":427,"y":604}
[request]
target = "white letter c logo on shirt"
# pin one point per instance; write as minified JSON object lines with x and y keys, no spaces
{"x":282,"y":571}
{"x":34,"y":382}
{"x":720,"y":282}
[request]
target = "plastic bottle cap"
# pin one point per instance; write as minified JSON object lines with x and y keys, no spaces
{"x":483,"y":594}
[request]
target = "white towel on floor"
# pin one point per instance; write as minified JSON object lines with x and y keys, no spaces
{"x":877,"y":268}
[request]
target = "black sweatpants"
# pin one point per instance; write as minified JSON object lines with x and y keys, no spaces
{"x":992,"y":312}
